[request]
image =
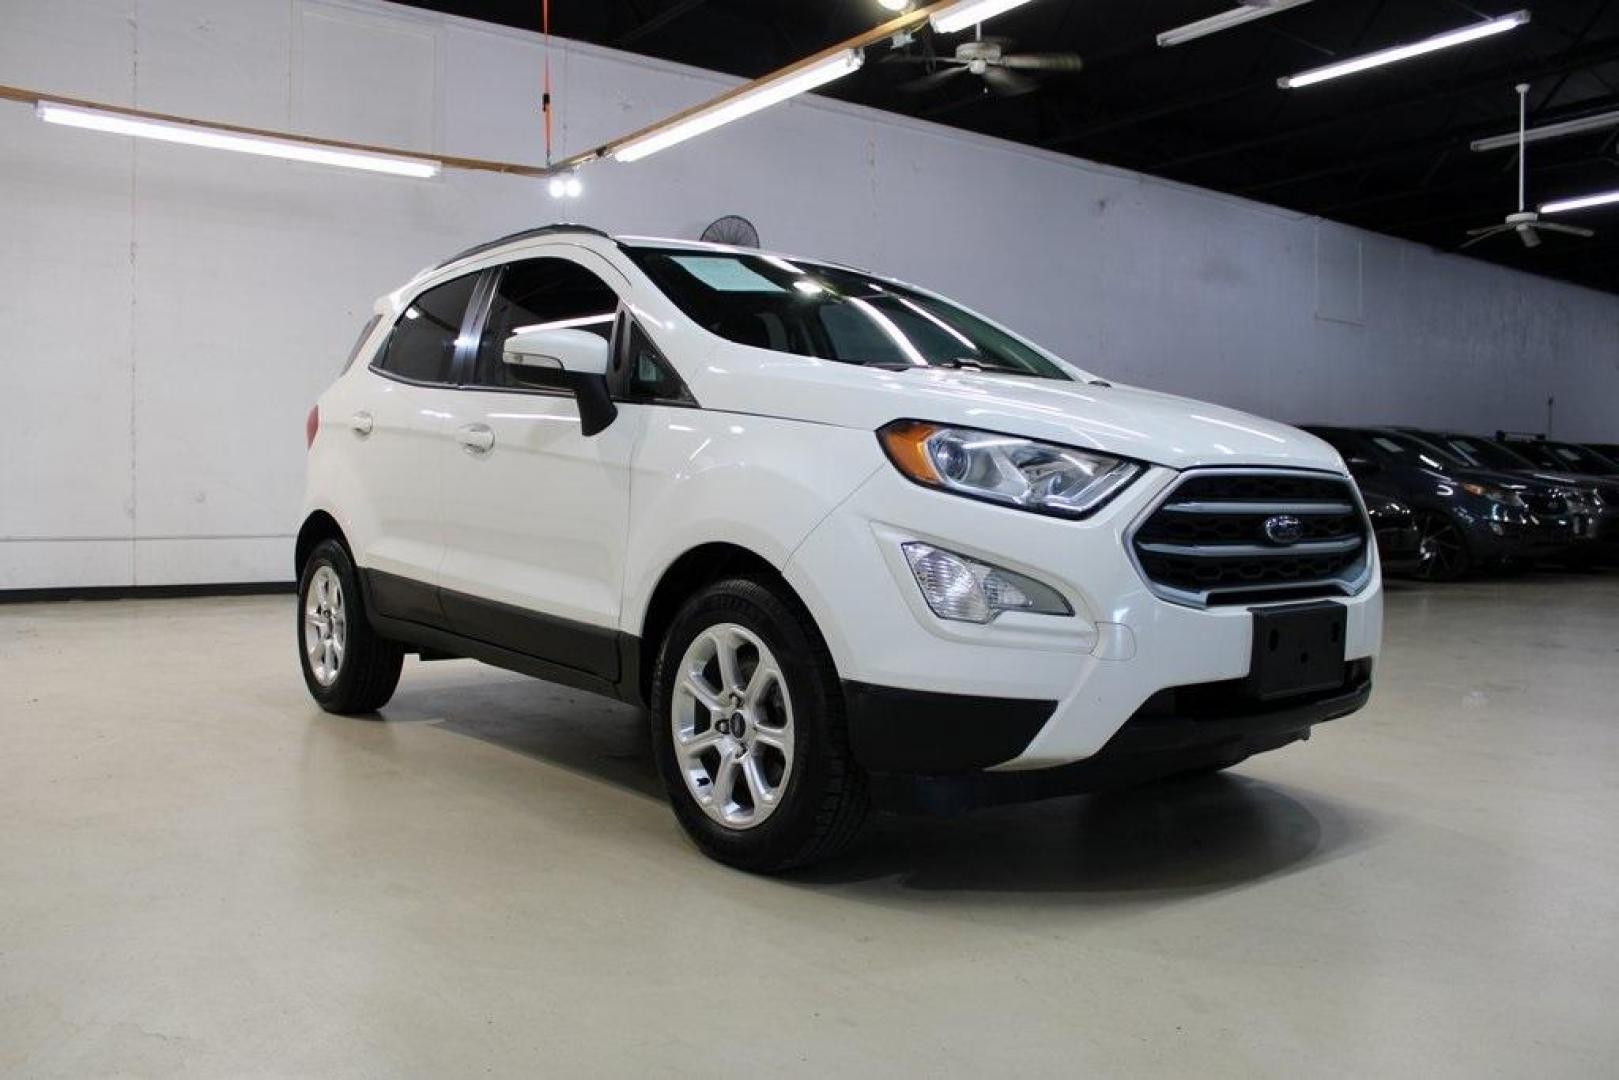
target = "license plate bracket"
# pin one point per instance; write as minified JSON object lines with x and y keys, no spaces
{"x":1297,"y":649}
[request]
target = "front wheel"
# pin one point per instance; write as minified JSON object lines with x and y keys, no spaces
{"x":1443,"y":554}
{"x":348,"y":667}
{"x":749,"y":730}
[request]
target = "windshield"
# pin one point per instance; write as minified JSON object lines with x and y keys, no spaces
{"x":832,"y":313}
{"x":1577,"y":459}
{"x":1411,"y":450}
{"x":1482,"y":453}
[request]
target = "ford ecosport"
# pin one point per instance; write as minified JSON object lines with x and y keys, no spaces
{"x":850,"y":543}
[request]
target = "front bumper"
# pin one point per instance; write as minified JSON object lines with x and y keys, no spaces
{"x":1088,"y":674}
{"x":1176,"y":731}
{"x":1521,"y":536}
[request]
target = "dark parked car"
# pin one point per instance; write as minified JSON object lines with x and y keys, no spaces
{"x":1596,"y":515}
{"x":1469,"y":518}
{"x":1399,"y":541}
{"x":1564,"y":457}
{"x":1607,"y":450}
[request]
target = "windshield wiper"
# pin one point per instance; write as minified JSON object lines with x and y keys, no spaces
{"x":953,"y":364}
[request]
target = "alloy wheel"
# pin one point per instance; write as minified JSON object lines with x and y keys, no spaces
{"x":1443,"y":552}
{"x":732,"y":722}
{"x":326,"y":625}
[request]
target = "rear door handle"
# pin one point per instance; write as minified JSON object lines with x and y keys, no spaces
{"x":477,"y":438}
{"x":361,"y":423}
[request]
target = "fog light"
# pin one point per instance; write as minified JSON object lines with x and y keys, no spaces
{"x":966,"y":590}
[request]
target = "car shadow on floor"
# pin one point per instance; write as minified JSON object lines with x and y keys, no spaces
{"x":1172,"y":836}
{"x":1178,"y":835}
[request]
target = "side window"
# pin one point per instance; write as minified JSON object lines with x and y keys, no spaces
{"x":540,"y":294}
{"x":648,"y":376}
{"x":422,"y":345}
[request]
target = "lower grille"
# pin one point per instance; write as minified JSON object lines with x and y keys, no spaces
{"x":1232,"y":537}
{"x":1553,"y":503}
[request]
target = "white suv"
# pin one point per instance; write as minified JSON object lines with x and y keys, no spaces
{"x":849,"y":542}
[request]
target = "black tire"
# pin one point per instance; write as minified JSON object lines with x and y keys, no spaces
{"x":369,"y":669}
{"x":1445,"y":554}
{"x":824,"y":796}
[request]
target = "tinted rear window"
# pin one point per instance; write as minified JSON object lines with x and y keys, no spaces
{"x":422,"y":345}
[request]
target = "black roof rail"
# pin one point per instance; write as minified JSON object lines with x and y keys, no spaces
{"x":526,"y":234}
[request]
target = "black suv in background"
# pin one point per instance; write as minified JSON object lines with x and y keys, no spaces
{"x":1564,"y":457}
{"x":1470,"y":519}
{"x":1596,"y":513}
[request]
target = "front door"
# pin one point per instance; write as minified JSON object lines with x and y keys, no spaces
{"x":535,"y":513}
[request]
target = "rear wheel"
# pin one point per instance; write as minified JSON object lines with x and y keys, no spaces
{"x":1443,"y":553}
{"x":348,"y":667}
{"x":749,"y":730}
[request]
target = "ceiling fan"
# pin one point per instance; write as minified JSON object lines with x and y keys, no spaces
{"x":991,"y":59}
{"x":1526,"y":222}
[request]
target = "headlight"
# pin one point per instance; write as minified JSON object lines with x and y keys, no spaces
{"x":1024,"y":473}
{"x":966,"y":590}
{"x":1504,"y":496}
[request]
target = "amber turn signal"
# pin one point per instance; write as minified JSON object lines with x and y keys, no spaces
{"x":906,"y":445}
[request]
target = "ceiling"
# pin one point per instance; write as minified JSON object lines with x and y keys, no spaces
{"x":1387,"y":150}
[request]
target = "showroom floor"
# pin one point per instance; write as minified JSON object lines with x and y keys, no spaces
{"x":203,"y":873}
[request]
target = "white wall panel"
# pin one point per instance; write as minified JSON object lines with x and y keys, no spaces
{"x":65,"y":311}
{"x":190,"y":305}
{"x":367,"y":75}
{"x":77,"y":48}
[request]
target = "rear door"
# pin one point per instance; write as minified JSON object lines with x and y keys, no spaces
{"x":535,"y":512}
{"x":395,"y":428}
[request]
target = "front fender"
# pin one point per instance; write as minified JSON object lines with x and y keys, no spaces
{"x":704,"y":477}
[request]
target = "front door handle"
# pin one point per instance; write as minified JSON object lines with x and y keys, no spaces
{"x":477,"y":438}
{"x":361,"y":424}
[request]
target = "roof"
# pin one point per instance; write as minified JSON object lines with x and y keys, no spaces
{"x":556,"y":229}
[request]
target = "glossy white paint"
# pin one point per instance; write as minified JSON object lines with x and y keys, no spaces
{"x":540,"y":519}
{"x":781,"y":458}
{"x":216,"y":295}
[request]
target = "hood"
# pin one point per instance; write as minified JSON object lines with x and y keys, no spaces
{"x":1158,"y":428}
{"x":1512,"y":480}
{"x":1604,"y":484}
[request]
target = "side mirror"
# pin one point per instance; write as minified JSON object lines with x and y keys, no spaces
{"x":581,"y":359}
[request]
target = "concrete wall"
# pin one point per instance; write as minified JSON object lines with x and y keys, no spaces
{"x":168,"y":314}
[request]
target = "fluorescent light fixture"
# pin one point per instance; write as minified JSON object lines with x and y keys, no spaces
{"x":1248,"y":12}
{"x":1467,"y":34}
{"x":219,"y":139}
{"x":1583,"y":202}
{"x":763,"y":96}
{"x":969,"y":13}
{"x":1561,"y":130}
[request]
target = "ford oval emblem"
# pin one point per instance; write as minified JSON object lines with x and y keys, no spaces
{"x":1284,"y":529}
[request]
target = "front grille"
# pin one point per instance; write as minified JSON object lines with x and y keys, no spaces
{"x":1207,"y":542}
